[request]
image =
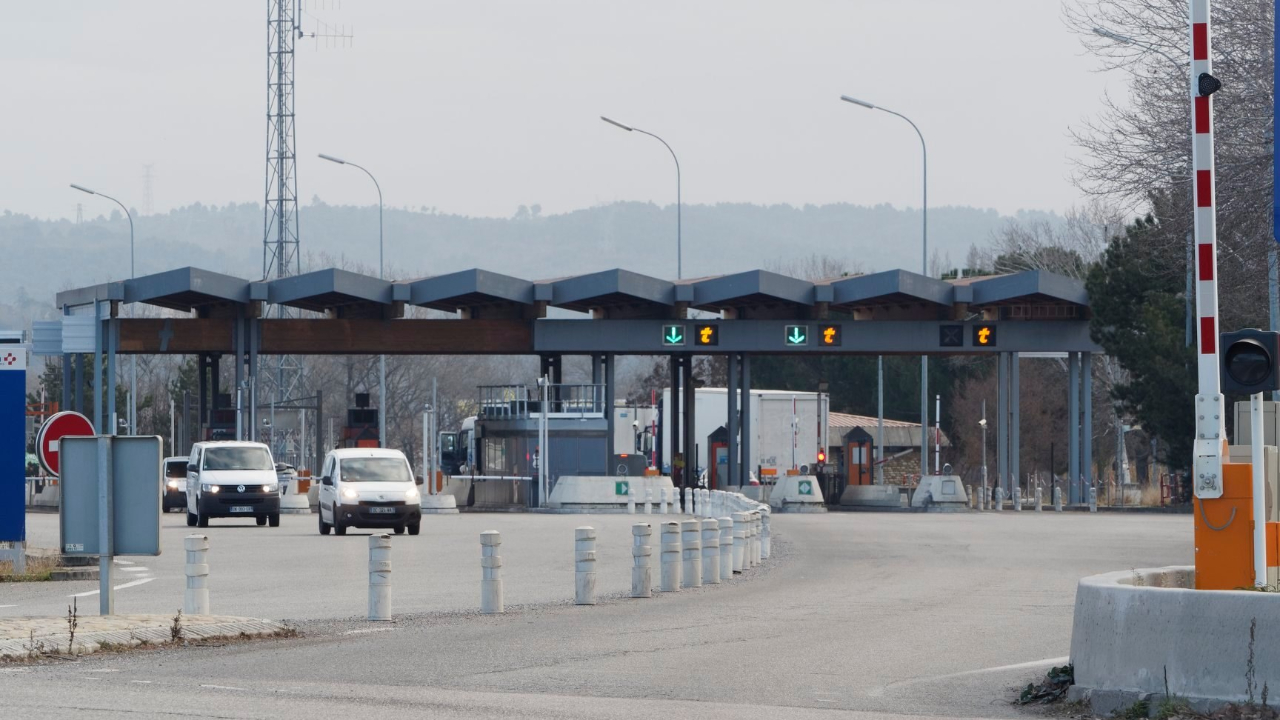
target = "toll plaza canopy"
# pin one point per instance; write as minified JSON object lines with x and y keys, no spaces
{"x":617,"y":311}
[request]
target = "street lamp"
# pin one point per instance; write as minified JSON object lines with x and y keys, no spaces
{"x":924,"y":270}
{"x":983,"y":423}
{"x":133,"y":359}
{"x":679,"y":246}
{"x":382,"y":359}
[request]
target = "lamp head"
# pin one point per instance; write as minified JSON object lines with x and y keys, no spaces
{"x":83,"y":189}
{"x":615,"y":123}
{"x":856,"y":101}
{"x":331,"y":158}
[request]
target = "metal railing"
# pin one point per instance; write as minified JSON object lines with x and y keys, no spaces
{"x":515,"y":402}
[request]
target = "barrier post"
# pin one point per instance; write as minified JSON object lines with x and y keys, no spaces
{"x":195,"y":600}
{"x":1039,"y":499}
{"x":641,"y":557}
{"x":710,"y":551}
{"x":491,"y":572}
{"x":1017,"y":499}
{"x":380,"y":577}
{"x":670,"y":570}
{"x":1057,"y":499}
{"x":631,"y":500}
{"x":726,"y":547}
{"x":691,"y":547}
{"x":584,"y":558}
{"x":648,"y":501}
{"x":739,"y":541}
{"x":766,"y":536}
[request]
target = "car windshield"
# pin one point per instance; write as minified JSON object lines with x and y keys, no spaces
{"x":176,"y":469}
{"x":238,"y":458}
{"x":383,"y":469}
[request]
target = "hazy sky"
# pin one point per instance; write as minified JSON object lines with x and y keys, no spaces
{"x":478,"y":106}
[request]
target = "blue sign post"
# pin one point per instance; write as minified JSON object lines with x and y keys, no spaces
{"x":13,"y":445}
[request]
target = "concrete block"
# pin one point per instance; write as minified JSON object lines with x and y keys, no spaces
{"x":797,"y":493}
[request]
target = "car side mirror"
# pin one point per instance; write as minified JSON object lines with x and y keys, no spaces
{"x":417,"y":480}
{"x":326,"y":480}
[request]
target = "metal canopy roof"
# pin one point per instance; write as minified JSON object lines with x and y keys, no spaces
{"x":753,"y":289}
{"x":470,"y":289}
{"x":333,"y":289}
{"x":189,"y":288}
{"x":892,"y":287}
{"x":618,"y":292}
{"x":1032,"y":286}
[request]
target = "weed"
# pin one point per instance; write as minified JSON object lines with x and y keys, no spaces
{"x":1137,"y":711}
{"x":175,"y":629}
{"x":1051,"y":689}
{"x":39,"y":569}
{"x":1171,"y":707}
{"x":1250,"y":671}
{"x":73,"y":622}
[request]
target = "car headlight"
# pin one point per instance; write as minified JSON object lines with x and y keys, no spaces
{"x":210,"y":488}
{"x":350,"y":493}
{"x":411,"y":494}
{"x":173,"y":484}
{"x":269,"y":488}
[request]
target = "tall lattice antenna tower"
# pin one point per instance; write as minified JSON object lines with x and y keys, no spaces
{"x":79,"y":213}
{"x":280,"y":234}
{"x":148,"y":204}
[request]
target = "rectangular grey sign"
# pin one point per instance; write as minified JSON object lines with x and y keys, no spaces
{"x":135,"y":477}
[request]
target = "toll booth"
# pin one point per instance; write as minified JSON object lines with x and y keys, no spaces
{"x":859,"y":457}
{"x":222,"y":419}
{"x":361,"y":430}
{"x":718,"y":452}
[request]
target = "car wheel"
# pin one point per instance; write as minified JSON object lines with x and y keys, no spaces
{"x":399,"y":529}
{"x":191,"y":519}
{"x":414,"y":528}
{"x":261,"y":520}
{"x":202,"y":520}
{"x":273,"y":519}
{"x":324,"y":526}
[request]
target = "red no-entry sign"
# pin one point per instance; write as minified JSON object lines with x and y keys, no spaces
{"x":63,"y":424}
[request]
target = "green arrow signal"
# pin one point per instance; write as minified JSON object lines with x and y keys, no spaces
{"x":674,"y":335}
{"x":796,"y":335}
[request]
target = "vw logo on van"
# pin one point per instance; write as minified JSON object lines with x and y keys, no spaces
{"x":239,"y":488}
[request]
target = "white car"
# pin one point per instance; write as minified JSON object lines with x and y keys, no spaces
{"x":368,"y":488}
{"x":232,"y":479}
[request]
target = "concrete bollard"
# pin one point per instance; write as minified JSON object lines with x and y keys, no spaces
{"x":584,"y":567}
{"x":648,"y":501}
{"x":1057,"y":499}
{"x":380,"y":577}
{"x":766,"y":541}
{"x":1093,"y":499}
{"x":726,"y":547}
{"x":662,"y":507}
{"x":631,"y":500}
{"x":195,"y":601}
{"x":756,"y":527}
{"x":1039,"y":499}
{"x":491,"y":572}
{"x":670,"y":571}
{"x":968,"y":490}
{"x":984,"y":498}
{"x":691,"y":551}
{"x":999,"y":500}
{"x":641,"y":558}
{"x":710,"y":551}
{"x":739,"y":541}
{"x":1017,"y":499}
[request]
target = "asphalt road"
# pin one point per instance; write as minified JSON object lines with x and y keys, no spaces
{"x":858,"y":615}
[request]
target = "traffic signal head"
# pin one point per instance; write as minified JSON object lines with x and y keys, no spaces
{"x":984,"y":335}
{"x":706,"y":335}
{"x":830,"y":335}
{"x":822,"y":456}
{"x":1248,"y":362}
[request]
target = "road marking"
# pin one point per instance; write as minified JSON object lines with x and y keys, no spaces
{"x":370,"y":630}
{"x":104,"y":670}
{"x":134,"y":569}
{"x":5,"y":606}
{"x":1047,"y":662}
{"x":221,"y":687}
{"x":123,"y":562}
{"x":141,"y":682}
{"x":135,"y":583}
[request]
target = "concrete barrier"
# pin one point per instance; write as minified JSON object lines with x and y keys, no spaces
{"x":491,"y":572}
{"x":292,"y":501}
{"x":443,"y":504}
{"x":1039,"y":499}
{"x":939,"y":493}
{"x":871,"y":496}
{"x":584,"y":567}
{"x":1093,"y":499}
{"x":797,"y":493}
{"x":631,"y":501}
{"x":766,"y":535}
{"x":642,"y":561}
{"x":998,"y":504}
{"x":1057,"y":499}
{"x":662,"y":505}
{"x":380,"y":577}
{"x":594,"y":493}
{"x":669,"y":580}
{"x":43,"y":493}
{"x":195,"y":600}
{"x":1131,"y":627}
{"x":1017,"y":499}
{"x":648,"y":501}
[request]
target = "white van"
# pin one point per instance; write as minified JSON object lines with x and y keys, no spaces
{"x":368,"y":488}
{"x":232,"y":479}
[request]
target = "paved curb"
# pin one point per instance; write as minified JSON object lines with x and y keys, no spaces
{"x":50,"y":634}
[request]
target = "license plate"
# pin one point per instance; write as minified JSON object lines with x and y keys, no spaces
{"x":384,"y":510}
{"x":241,"y":508}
